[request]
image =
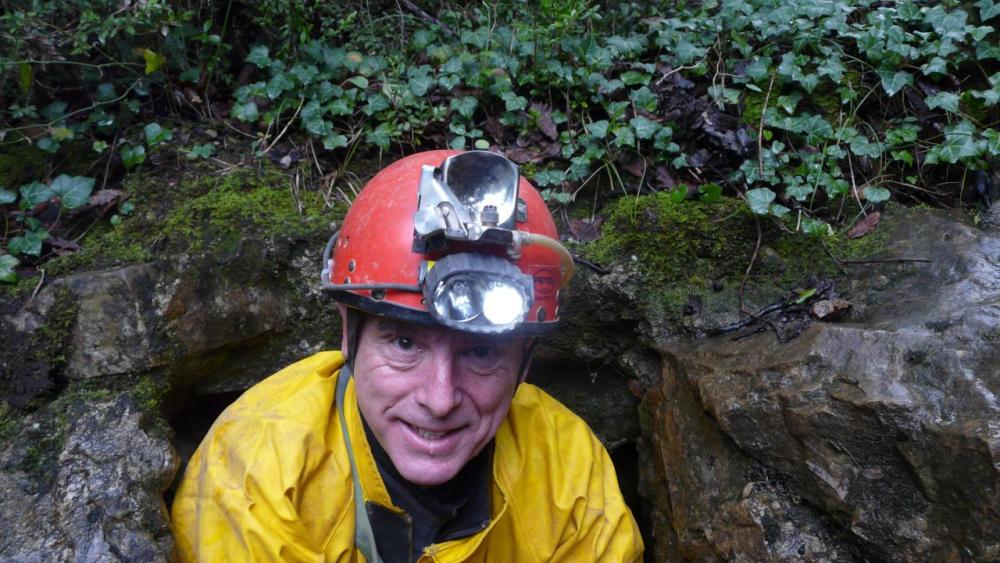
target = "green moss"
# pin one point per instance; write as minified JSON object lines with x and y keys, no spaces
{"x":200,"y":213}
{"x":52,"y":341}
{"x":673,"y":242}
{"x":242,"y":204}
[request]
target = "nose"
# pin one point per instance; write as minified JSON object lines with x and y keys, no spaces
{"x":440,"y":394}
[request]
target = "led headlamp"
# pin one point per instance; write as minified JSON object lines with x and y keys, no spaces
{"x":477,"y":293}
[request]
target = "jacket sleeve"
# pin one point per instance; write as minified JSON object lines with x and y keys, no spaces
{"x":235,"y":501}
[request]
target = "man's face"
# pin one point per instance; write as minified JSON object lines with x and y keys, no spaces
{"x":433,"y":397}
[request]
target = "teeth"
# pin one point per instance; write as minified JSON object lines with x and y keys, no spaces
{"x":427,"y":434}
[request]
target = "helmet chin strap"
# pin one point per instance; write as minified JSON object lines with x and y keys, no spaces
{"x":354,"y":321}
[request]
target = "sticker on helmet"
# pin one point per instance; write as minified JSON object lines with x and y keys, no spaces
{"x":546,"y":282}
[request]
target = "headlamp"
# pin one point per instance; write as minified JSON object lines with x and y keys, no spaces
{"x":477,"y":293}
{"x":472,"y":196}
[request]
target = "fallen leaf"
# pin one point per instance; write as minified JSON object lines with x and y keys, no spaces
{"x":61,"y":244}
{"x":865,"y":225}
{"x":663,"y":179}
{"x":522,"y":155}
{"x":545,"y":122}
{"x":106,"y":197}
{"x":830,"y":308}
{"x":586,"y":231}
{"x":637,"y":389}
{"x":635,"y":167}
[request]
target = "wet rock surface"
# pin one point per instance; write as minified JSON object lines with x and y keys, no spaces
{"x":84,"y":481}
{"x":875,"y":438}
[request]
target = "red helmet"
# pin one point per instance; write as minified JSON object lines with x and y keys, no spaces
{"x":454,"y":238}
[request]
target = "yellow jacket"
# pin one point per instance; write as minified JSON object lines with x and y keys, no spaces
{"x":272,"y":482}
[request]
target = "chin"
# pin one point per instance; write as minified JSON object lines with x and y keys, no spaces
{"x":428,"y":473}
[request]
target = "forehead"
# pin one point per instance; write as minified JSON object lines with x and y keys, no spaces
{"x":393,"y":327}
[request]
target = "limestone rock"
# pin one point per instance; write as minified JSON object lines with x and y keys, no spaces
{"x":877,"y":438}
{"x":83,"y":481}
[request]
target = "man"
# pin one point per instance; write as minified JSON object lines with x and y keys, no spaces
{"x":446,"y":269}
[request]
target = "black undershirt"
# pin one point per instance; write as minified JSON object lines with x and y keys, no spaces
{"x":434,"y":514}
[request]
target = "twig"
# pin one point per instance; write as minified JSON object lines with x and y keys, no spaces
{"x":760,"y":127}
{"x":670,"y":73}
{"x":425,"y":16}
{"x":39,"y":286}
{"x":285,"y":130}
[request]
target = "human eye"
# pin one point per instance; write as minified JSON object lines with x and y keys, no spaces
{"x":404,"y":343}
{"x":484,"y":359}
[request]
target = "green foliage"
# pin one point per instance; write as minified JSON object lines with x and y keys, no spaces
{"x":848,"y":100}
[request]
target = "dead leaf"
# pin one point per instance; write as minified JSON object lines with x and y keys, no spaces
{"x":106,"y":197}
{"x":635,"y":167}
{"x":60,"y":244}
{"x":865,"y":225}
{"x":636,"y":388}
{"x":663,"y":179}
{"x":522,"y":155}
{"x":533,"y":153}
{"x":586,"y":231}
{"x":545,"y":122}
{"x":830,"y":309}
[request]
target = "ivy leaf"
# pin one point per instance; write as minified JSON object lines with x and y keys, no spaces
{"x":988,"y":9}
{"x":893,"y":82}
{"x":815,"y":227}
{"x":624,"y":137}
{"x":380,"y":136}
{"x":133,"y":156}
{"x":876,"y":195}
{"x":757,"y":70}
{"x":201,"y":151}
{"x":334,"y":141}
{"x":359,"y":81}
{"x":304,"y":73}
{"x":861,"y":146}
{"x":760,"y":200}
{"x":987,"y":50}
{"x":259,"y":55}
{"x":34,"y":193}
{"x":679,"y":193}
{"x":945,"y":100}
{"x":29,"y":243}
{"x":514,"y":102}
{"x":55,"y":110}
{"x":277,"y":84}
{"x":7,"y":265}
{"x":420,"y":84}
{"x":154,"y":60}
{"x":105,"y":92}
{"x":244,"y":112}
{"x":7,"y":196}
{"x":319,"y":127}
{"x":155,"y":134}
{"x":73,"y":191}
{"x":598,"y":129}
{"x":710,"y":193}
{"x":635,"y":78}
{"x":465,"y":106}
{"x":644,"y":127}
{"x":833,"y":68}
{"x":376,"y":103}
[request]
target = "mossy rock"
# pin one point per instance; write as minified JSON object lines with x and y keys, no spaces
{"x":683,"y":264}
{"x":20,"y":164}
{"x":203,"y":212}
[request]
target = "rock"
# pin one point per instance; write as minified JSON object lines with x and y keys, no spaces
{"x":84,"y":481}
{"x":875,"y":439}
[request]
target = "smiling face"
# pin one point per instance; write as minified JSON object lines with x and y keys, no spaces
{"x":433,"y":397}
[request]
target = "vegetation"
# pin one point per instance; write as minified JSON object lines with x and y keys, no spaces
{"x":812,"y":112}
